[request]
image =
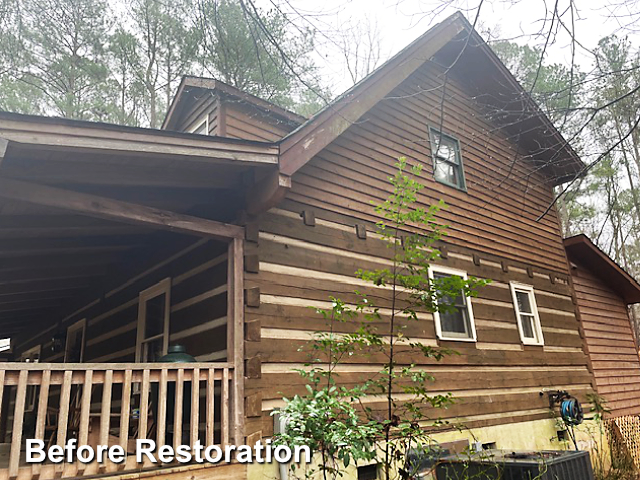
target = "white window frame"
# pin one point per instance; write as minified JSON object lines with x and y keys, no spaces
{"x":205,"y":122}
{"x":529,"y":290}
{"x":160,"y":288}
{"x":79,"y":325}
{"x":436,"y":315}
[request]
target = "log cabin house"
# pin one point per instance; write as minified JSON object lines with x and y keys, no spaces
{"x":220,"y":230}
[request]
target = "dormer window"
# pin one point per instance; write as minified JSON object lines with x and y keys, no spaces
{"x":447,"y":161}
{"x":202,"y":127}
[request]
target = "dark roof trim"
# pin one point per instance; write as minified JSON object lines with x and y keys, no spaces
{"x":190,"y":84}
{"x":581,"y":249}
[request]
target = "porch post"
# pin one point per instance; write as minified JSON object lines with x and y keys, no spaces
{"x":235,"y":332}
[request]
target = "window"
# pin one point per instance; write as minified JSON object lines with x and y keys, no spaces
{"x":201,"y":128}
{"x":455,"y":322}
{"x":447,"y":161}
{"x":74,"y":346}
{"x":153,"y":322}
{"x":524,"y":302}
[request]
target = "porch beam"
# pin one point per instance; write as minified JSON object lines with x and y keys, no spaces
{"x":267,"y":193}
{"x":107,"y":208}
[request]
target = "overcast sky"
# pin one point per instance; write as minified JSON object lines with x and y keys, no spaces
{"x":401,"y":21}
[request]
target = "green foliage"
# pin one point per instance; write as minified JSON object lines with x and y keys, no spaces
{"x":378,"y":334}
{"x":257,"y":51}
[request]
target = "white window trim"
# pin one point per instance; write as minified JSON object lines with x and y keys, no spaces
{"x":534,"y":306}
{"x":205,"y":122}
{"x":79,"y":325}
{"x":162,"y":287}
{"x":436,"y":315}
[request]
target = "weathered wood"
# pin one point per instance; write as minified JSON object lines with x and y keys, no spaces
{"x":235,"y":347}
{"x":115,"y":209}
{"x":210,"y":425}
{"x":105,"y":411}
{"x":194,"y":423}
{"x":18,"y":421}
{"x":145,"y":386}
{"x":177,"y":409}
{"x":41,"y":418}
{"x":161,"y":421}
{"x":267,"y":193}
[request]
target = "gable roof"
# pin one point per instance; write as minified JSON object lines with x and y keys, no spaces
{"x":453,"y":38}
{"x":191,"y":86}
{"x":581,"y":249}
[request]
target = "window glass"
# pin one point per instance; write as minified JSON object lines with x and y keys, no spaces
{"x":527,"y":314}
{"x":456,"y":320}
{"x":447,"y":163}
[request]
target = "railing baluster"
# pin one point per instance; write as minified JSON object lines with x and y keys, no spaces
{"x":125,"y":409}
{"x":224,"y":427}
{"x":72,"y":415}
{"x":161,"y":421}
{"x":211,"y":399}
{"x":105,"y":412}
{"x":85,"y":410}
{"x":144,"y":404}
{"x":65,"y":401}
{"x":2,"y":373}
{"x":18,"y":419}
{"x":41,"y":419}
{"x":177,"y":409}
{"x":194,"y":423}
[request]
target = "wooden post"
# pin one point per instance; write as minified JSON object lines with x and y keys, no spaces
{"x":235,"y":337}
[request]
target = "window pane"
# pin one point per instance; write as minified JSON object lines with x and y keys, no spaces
{"x":524,"y":302}
{"x":445,"y":148}
{"x":446,"y":172}
{"x":154,"y":321}
{"x":455,"y":321}
{"x":527,"y":326}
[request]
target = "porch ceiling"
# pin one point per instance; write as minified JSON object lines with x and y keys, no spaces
{"x":52,"y":257}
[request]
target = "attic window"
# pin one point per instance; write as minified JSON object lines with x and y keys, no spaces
{"x":447,"y":161}
{"x":202,"y":127}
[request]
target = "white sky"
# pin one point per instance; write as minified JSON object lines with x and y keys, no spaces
{"x":401,"y":21}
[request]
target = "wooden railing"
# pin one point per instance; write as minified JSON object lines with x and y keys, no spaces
{"x":109,"y":404}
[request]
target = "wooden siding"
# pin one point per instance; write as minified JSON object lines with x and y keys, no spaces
{"x":496,"y":380}
{"x":204,"y":106}
{"x":609,"y":339}
{"x":250,"y":123}
{"x":505,"y":194}
{"x":233,"y":118}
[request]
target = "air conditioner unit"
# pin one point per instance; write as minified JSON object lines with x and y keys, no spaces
{"x":509,"y":465}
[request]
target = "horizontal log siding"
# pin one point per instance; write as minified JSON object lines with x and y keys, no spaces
{"x":505,"y":193}
{"x":497,"y":380}
{"x":198,"y":309}
{"x":249,"y":123}
{"x":608,"y":335}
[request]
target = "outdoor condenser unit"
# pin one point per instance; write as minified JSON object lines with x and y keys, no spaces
{"x":508,"y":465}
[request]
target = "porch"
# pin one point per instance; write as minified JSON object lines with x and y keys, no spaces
{"x":116,"y":243}
{"x":111,"y":404}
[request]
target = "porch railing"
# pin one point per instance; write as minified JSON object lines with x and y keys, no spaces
{"x":109,"y":404}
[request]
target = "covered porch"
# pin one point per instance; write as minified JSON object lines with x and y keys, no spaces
{"x":116,"y":243}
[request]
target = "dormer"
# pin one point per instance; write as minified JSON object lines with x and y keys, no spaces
{"x":209,"y":107}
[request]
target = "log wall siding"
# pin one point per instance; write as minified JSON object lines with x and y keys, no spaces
{"x":234,"y":119}
{"x":609,"y":339}
{"x":505,"y":194}
{"x":198,"y":309}
{"x":497,"y":380}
